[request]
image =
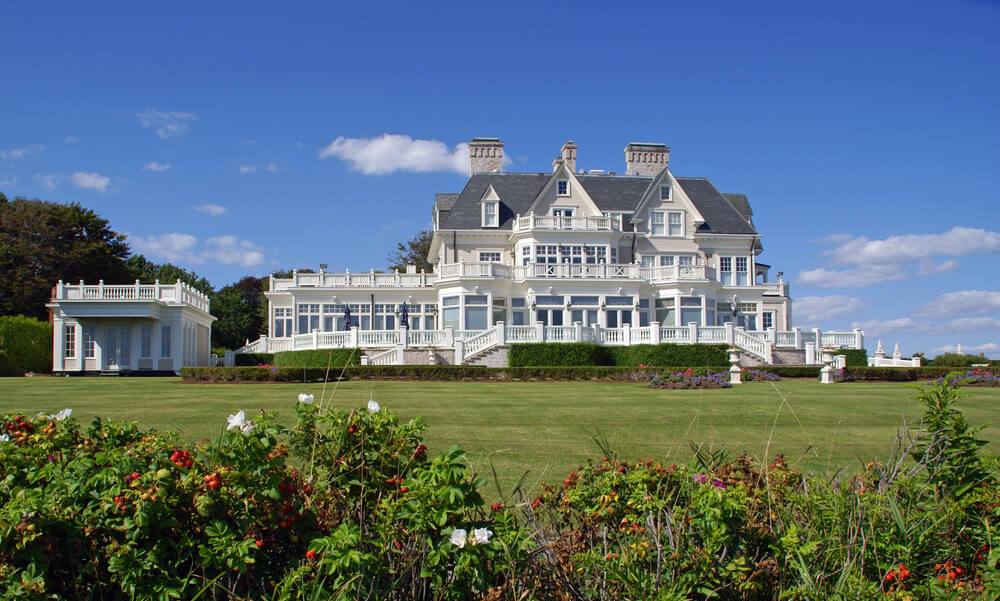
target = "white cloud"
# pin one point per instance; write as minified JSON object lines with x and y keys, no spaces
{"x":157,"y":167}
{"x":814,"y":309}
{"x":8,"y":179}
{"x":389,"y":153}
{"x":963,"y":302}
{"x":956,"y":242}
{"x":885,"y":326}
{"x":974,"y":324}
{"x":48,"y":181}
{"x":269,"y":167}
{"x":170,"y":124}
{"x":185,"y":248}
{"x":987,"y":348}
{"x":854,"y":277}
{"x":71,"y":139}
{"x":12,"y":154}
{"x":90,"y":181}
{"x":211,"y":209}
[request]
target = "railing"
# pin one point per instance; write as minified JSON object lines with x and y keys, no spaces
{"x":369,"y":279}
{"x":752,"y":344}
{"x":481,"y":342}
{"x":838,"y":339}
{"x":606,"y":271}
{"x":674,"y":334}
{"x":611,"y":336}
{"x":477,"y":269}
{"x":334,"y":339}
{"x":784,"y":339}
{"x":677,"y":273}
{"x":432,"y":338}
{"x":178,"y":293}
{"x":712,"y":334}
{"x":387,"y":357}
{"x":641,"y":335}
{"x":560,"y":334}
{"x":547,"y":222}
{"x":378,"y":338}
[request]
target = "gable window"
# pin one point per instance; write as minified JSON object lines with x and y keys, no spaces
{"x":665,"y":192}
{"x":489,"y":256}
{"x":675,"y":223}
{"x":562,"y":187}
{"x":656,"y":223}
{"x":491,"y":212}
{"x":562,"y":212}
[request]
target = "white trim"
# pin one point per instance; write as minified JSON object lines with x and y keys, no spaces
{"x":568,"y":189}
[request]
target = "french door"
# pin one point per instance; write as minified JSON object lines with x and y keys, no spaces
{"x":550,"y":317}
{"x":619,"y":317}
{"x":116,"y":348}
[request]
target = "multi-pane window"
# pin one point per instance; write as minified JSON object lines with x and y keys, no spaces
{"x":666,"y":260}
{"x":499,"y":310}
{"x":767,"y":319}
{"x":571,"y":253}
{"x":490,"y":214}
{"x":282,"y":322}
{"x":643,"y":312}
{"x":666,"y":313}
{"x":546,"y":253}
{"x":742,"y":272}
{"x":489,"y":256}
{"x":475,"y":312}
{"x":145,"y":342}
{"x":89,"y":343}
{"x":647,"y":260}
{"x":450,"y":313}
{"x":165,"y":340}
{"x":385,"y":316}
{"x":429,"y":316}
{"x":685,"y":260}
{"x":675,"y":223}
{"x":726,"y":271}
{"x":656,"y":223}
{"x":562,"y":212}
{"x":595,"y":254}
{"x":747,"y":316}
{"x":665,"y":192}
{"x":70,"y":341}
{"x":361,"y":316}
{"x":308,"y":318}
{"x":332,"y":316}
{"x":690,"y":309}
{"x":562,"y":187}
{"x":518,"y":314}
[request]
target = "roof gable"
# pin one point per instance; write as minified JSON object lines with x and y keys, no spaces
{"x":577,"y":192}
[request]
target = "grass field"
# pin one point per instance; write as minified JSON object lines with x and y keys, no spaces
{"x":545,"y":428}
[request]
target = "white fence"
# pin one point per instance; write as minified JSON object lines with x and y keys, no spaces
{"x":178,"y":293}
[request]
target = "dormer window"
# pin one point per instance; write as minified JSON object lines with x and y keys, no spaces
{"x":562,"y":187}
{"x":491,"y":212}
{"x":665,"y":192}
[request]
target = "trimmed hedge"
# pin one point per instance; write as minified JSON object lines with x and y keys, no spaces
{"x":25,"y":345}
{"x":581,"y":354}
{"x":855,"y":357}
{"x":318,"y":359}
{"x":254,"y":359}
{"x":791,"y":371}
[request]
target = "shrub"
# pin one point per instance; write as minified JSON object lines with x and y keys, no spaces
{"x":689,"y":379}
{"x":958,"y":360}
{"x":245,"y":359}
{"x":855,"y":357}
{"x":318,"y":359}
{"x":759,"y":375}
{"x":580,"y":354}
{"x":25,"y":345}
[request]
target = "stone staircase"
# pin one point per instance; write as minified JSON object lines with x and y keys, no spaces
{"x":493,"y":357}
{"x":788,"y":357}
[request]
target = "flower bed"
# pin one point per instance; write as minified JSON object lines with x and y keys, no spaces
{"x":690,"y":378}
{"x":352,"y":504}
{"x":757,"y":375}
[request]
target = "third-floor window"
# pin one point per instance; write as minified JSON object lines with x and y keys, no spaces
{"x":490,"y":212}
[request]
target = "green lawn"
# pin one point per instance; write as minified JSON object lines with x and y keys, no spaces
{"x":545,"y":428}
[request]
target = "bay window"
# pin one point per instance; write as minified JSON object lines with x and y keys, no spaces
{"x":690,"y":309}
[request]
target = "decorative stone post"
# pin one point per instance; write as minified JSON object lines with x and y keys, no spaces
{"x":693,"y":332}
{"x":315,"y":339}
{"x":501,"y":329}
{"x":353,"y":340}
{"x":627,"y":335}
{"x":826,"y":374}
{"x":577,"y":332}
{"x":539,"y":331}
{"x":797,"y":334}
{"x":811,"y":353}
{"x":735,"y":371}
{"x":730,"y":333}
{"x":654,"y":332}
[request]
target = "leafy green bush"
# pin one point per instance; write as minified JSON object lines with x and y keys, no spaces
{"x":246,"y":359}
{"x":958,"y":360}
{"x":791,"y":371}
{"x":581,"y":354}
{"x":25,"y":345}
{"x":895,"y":374}
{"x":319,"y":359}
{"x":855,"y":357}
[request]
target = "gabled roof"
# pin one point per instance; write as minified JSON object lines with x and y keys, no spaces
{"x":517,"y":192}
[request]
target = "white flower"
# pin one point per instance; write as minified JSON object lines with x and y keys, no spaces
{"x":306,"y":398}
{"x":373,"y":407}
{"x":481,"y":536}
{"x":4,"y":437}
{"x":458,"y":537}
{"x":239,"y":422}
{"x":65,"y":413}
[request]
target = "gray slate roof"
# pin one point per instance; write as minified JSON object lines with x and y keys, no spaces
{"x":610,"y":192}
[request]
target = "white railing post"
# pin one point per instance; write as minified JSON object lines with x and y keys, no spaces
{"x":402,"y":334}
{"x":627,"y":334}
{"x":459,"y":352}
{"x":315,"y":339}
{"x":449,"y":337}
{"x":577,"y":331}
{"x":654,"y":332}
{"x":772,"y":335}
{"x":539,"y":331}
{"x":352,"y":340}
{"x":265,"y":344}
{"x":819,"y":338}
{"x":100,"y":289}
{"x":501,"y":330}
{"x":810,"y":353}
{"x":797,"y":334}
{"x":730,"y":333}
{"x":859,"y":338}
{"x":137,"y":285}
{"x":597,"y":333}
{"x":61,"y":290}
{"x":693,"y":332}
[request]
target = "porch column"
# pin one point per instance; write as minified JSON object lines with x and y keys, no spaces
{"x":654,"y":332}
{"x":58,"y":344}
{"x":352,"y":340}
{"x":819,"y":337}
{"x":797,"y":333}
{"x":501,"y":329}
{"x":693,"y":332}
{"x":449,"y":337}
{"x":627,"y":335}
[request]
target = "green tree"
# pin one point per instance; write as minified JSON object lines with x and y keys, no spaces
{"x":44,"y":242}
{"x":147,"y":272}
{"x":413,"y":252}
{"x":241,"y":309}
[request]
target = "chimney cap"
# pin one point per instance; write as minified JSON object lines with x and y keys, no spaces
{"x":648,"y":145}
{"x":483,"y":139}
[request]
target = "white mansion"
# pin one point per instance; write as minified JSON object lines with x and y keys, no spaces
{"x":638,"y":258}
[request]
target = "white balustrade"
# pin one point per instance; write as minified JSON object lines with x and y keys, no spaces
{"x":784,"y":339}
{"x":432,"y":338}
{"x":838,"y":340}
{"x":712,"y":334}
{"x":334,"y":339}
{"x":478,"y":343}
{"x":560,"y":334}
{"x":522,"y":334}
{"x":166,"y":293}
{"x":551,"y":222}
{"x":378,"y":338}
{"x":642,"y":335}
{"x":391,"y":356}
{"x":611,"y":336}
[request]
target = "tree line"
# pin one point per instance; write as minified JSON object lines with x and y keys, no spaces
{"x":43,"y":242}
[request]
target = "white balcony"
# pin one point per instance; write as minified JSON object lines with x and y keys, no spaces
{"x":527,"y":223}
{"x":369,"y":279}
{"x":168,"y":294}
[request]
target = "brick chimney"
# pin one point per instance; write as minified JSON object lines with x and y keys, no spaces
{"x":647,"y":159}
{"x":485,"y":155}
{"x":568,"y":154}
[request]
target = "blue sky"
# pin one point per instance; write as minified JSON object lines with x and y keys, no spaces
{"x":864,"y":133}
